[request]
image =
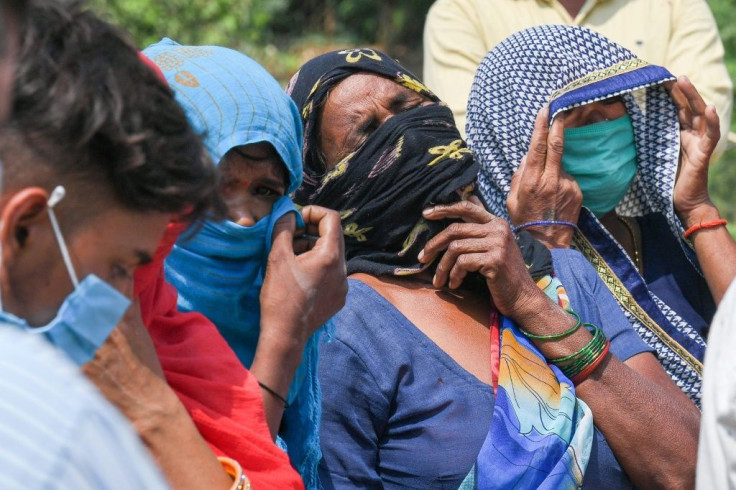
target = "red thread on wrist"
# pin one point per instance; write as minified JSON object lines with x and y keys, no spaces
{"x":701,"y":225}
{"x":583,"y":375}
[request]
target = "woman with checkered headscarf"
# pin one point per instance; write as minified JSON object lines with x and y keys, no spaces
{"x":623,"y":142}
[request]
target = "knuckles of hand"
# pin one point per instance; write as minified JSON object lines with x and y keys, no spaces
{"x":539,"y":149}
{"x":467,"y":206}
{"x":555,"y":145}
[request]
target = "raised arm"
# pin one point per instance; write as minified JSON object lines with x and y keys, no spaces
{"x":541,"y":190}
{"x":127,"y":372}
{"x":299,"y":294}
{"x":649,"y":424}
{"x":699,"y":133}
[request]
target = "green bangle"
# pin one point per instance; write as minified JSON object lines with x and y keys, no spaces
{"x":573,"y":370}
{"x":556,"y":336}
{"x":577,"y":362}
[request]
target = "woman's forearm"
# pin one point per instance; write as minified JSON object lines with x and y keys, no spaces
{"x":652,"y":431}
{"x":274,"y":365}
{"x":650,"y":426}
{"x":715,"y":248}
{"x":180,"y":451}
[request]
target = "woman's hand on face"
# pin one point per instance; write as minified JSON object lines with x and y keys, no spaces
{"x":301,"y":292}
{"x":541,"y":190}
{"x":699,"y":134}
{"x":305,"y":284}
{"x":127,"y":371}
{"x":482,"y":243}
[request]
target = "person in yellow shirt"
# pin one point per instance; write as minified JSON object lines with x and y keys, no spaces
{"x":680,"y":35}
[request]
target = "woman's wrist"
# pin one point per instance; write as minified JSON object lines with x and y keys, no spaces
{"x":532,"y":308}
{"x":552,"y":233}
{"x":553,"y":236}
{"x":161,"y":419}
{"x":276,"y":359}
{"x":703,"y":213}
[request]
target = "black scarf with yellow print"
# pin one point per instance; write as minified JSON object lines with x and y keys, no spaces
{"x":414,"y":160}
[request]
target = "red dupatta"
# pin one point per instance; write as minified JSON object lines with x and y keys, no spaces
{"x":221,"y":396}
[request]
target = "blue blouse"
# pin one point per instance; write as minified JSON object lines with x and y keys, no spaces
{"x":398,"y":412}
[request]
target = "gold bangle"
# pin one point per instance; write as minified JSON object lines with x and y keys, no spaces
{"x":235,"y":471}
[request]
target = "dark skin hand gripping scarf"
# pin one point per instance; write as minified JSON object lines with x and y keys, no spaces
{"x":414,"y":160}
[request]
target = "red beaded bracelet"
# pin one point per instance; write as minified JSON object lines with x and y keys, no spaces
{"x":583,"y":375}
{"x":700,"y":226}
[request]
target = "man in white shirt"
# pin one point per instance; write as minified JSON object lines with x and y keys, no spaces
{"x":680,"y":35}
{"x":717,"y":447}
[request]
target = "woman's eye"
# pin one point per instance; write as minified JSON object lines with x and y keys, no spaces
{"x":267,"y":192}
{"x":368,"y":127}
{"x":412,"y":104}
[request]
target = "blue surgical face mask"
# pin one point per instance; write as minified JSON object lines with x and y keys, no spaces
{"x":88,"y":314}
{"x":601,"y":157}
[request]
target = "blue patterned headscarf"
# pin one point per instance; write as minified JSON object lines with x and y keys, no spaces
{"x":566,"y":67}
{"x":233,"y":101}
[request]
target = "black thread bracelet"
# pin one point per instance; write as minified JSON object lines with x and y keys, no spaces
{"x":283,"y":400}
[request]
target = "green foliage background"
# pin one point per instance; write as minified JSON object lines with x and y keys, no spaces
{"x":282,"y":34}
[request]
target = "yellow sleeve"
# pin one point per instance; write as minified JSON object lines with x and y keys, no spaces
{"x":696,"y":50}
{"x":453,"y":49}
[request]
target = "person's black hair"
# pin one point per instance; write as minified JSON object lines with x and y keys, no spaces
{"x":88,"y":114}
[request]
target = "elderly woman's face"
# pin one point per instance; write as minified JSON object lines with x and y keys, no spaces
{"x":355,"y":108}
{"x":604,"y":110}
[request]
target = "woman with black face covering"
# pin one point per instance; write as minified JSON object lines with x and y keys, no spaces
{"x":455,"y":360}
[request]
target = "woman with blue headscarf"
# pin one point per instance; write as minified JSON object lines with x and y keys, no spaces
{"x":253,"y":132}
{"x":621,"y":129}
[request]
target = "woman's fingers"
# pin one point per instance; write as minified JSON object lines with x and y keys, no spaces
{"x":454,"y":232}
{"x":694,"y":99}
{"x":454,"y":251}
{"x":692,"y":110}
{"x":475,"y":200}
{"x":684,"y":111}
{"x":537,"y":154}
{"x":712,"y":124}
{"x":468,"y":211}
{"x":304,"y":244}
{"x":463,"y":265}
{"x":555,"y":147}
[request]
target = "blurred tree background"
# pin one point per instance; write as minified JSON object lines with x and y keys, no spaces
{"x":283,"y":34}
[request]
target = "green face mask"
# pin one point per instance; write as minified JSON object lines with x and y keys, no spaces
{"x":601,"y":157}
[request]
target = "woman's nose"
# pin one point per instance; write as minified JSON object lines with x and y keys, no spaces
{"x":246,"y":219}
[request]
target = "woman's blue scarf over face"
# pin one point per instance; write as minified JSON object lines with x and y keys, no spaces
{"x":232,"y":101}
{"x":566,"y":67}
